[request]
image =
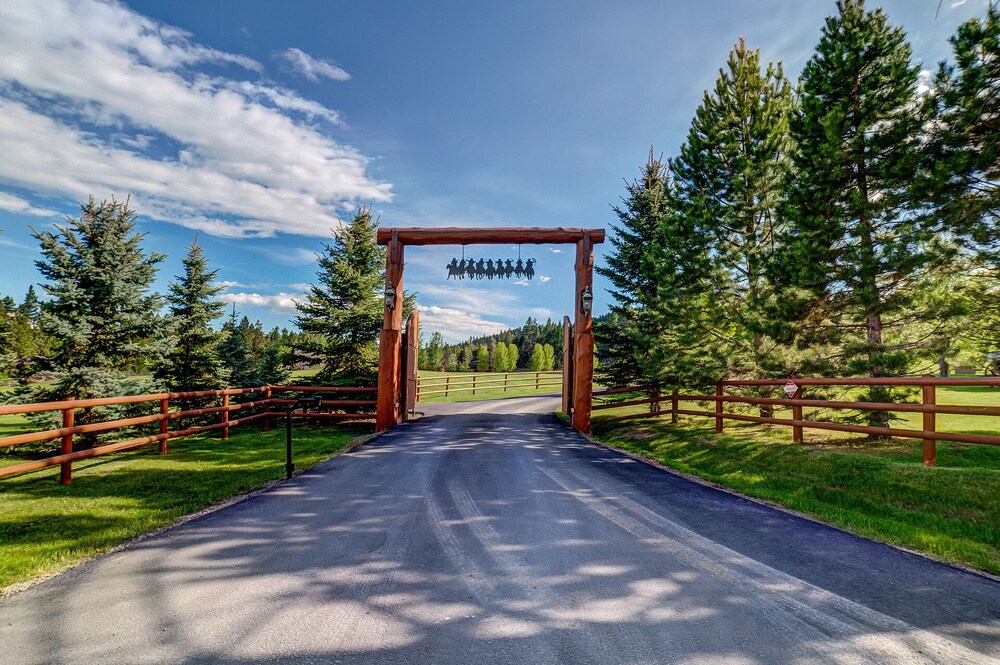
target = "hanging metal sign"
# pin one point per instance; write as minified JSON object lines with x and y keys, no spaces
{"x":472,"y":268}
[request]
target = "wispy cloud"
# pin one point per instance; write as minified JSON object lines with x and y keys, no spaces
{"x":12,"y":203}
{"x":280,"y":303}
{"x":312,"y":68}
{"x":87,"y":88}
{"x":456,"y":324}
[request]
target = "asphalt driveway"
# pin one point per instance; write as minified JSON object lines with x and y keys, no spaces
{"x":491,"y":533}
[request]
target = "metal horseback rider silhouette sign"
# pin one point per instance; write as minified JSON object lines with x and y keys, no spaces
{"x":473,"y":269}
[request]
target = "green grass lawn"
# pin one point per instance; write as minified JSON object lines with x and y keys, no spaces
{"x":45,"y":526}
{"x":485,"y":393}
{"x":877,"y":489}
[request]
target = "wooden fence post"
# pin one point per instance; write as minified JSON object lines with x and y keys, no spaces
{"x":164,"y":408}
{"x":506,"y":380}
{"x":66,"y":468}
{"x":447,"y":384}
{"x":473,"y":384}
{"x":797,"y":415}
{"x":267,"y":408}
{"x":225,"y":418}
{"x":673,"y":407}
{"x":930,"y":422}
{"x":718,"y":408}
{"x":538,"y":379}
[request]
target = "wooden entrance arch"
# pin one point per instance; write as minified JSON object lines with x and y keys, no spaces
{"x":391,"y":405}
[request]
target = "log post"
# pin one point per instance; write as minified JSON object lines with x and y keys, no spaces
{"x":388,"y":407}
{"x":225,"y":417}
{"x":797,"y":415}
{"x":266,"y":394}
{"x":567,"y":368}
{"x":930,"y":424}
{"x":66,"y":445}
{"x":447,"y":384}
{"x":473,"y":384}
{"x":673,"y":407}
{"x":718,"y":408}
{"x":164,"y":425}
{"x":583,"y":337}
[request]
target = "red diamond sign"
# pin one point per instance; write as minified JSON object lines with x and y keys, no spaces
{"x":791,"y":388}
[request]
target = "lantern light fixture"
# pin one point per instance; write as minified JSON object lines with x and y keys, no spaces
{"x":586,"y":300}
{"x":390,"y":297}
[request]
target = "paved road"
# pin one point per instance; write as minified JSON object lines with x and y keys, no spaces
{"x":502,"y":537}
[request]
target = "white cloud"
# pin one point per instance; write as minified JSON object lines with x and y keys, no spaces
{"x":312,"y":68}
{"x":12,"y":203}
{"x":279,"y":303}
{"x":543,"y":278}
{"x":227,"y":284}
{"x":521,"y":282}
{"x":925,"y":82}
{"x":245,"y":161}
{"x":455,"y":324}
{"x":554,"y":251}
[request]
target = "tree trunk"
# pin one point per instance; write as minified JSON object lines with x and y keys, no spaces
{"x":943,"y":369}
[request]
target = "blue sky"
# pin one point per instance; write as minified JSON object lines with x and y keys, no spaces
{"x":258,"y":124}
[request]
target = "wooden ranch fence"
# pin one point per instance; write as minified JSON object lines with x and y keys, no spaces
{"x":928,"y":407}
{"x":262,"y":405}
{"x":437,"y":385}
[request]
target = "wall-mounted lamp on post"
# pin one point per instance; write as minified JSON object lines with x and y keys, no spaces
{"x":390,"y":297}
{"x":586,"y":300}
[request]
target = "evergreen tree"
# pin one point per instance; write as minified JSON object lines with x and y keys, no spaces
{"x":193,"y":364}
{"x":234,"y":355}
{"x":272,"y":366}
{"x":344,"y":311}
{"x":855,"y":247}
{"x":963,"y":162}
{"x":101,"y":313}
{"x":719,"y":237}
{"x":625,"y":337}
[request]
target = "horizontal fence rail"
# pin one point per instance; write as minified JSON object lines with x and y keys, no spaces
{"x":478,"y":381}
{"x":928,"y":407}
{"x":346,"y":410}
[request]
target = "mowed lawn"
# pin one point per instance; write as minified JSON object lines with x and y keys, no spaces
{"x":878,"y":489}
{"x":489,"y":385}
{"x":45,"y":526}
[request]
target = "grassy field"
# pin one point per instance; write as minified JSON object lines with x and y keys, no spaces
{"x":45,"y":526}
{"x":876,"y":489}
{"x":554,"y":380}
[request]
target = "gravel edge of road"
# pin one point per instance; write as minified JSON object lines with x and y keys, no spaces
{"x":14,"y":589}
{"x":698,"y":480}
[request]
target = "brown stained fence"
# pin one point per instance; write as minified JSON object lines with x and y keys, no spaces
{"x":928,"y":406}
{"x":446,"y":385}
{"x":265,"y":405}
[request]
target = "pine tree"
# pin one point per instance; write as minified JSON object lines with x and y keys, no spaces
{"x":193,"y":364}
{"x":728,"y":184}
{"x":234,"y":355}
{"x":101,"y":314}
{"x":344,"y":311}
{"x":855,"y":248}
{"x":963,"y":165}
{"x":624,"y":337}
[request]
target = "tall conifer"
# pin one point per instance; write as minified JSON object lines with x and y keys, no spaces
{"x":193,"y":363}
{"x":856,"y":247}
{"x":729,"y":182}
{"x":622,"y":338}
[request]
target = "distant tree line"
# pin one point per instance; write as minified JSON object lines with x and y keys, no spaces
{"x":844,"y":226}
{"x":535,"y":346}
